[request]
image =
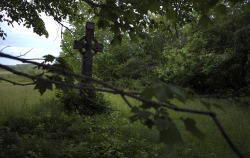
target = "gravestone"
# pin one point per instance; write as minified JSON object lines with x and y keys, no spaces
{"x":88,"y":46}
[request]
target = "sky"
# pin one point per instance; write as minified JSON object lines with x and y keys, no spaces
{"x":20,"y":40}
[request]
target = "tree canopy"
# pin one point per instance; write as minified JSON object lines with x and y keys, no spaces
{"x":123,"y":16}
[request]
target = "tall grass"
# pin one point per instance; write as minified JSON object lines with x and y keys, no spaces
{"x":234,"y":117}
{"x":17,"y":100}
{"x":52,"y":133}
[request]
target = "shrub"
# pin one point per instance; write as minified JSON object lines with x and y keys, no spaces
{"x":89,"y":103}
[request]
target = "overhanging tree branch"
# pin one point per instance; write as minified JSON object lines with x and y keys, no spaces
{"x":15,"y":83}
{"x":75,"y":86}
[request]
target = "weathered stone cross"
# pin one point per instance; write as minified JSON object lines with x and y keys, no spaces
{"x":89,"y":43}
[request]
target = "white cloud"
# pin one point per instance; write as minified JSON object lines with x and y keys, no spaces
{"x":21,"y":39}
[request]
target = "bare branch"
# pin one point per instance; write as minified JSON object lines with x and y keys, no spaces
{"x":57,"y":33}
{"x":34,"y":59}
{"x":5,"y":48}
{"x":15,"y":83}
{"x":72,"y":32}
{"x":75,"y":86}
{"x":126,"y":100}
{"x":226,"y":137}
{"x":62,"y":71}
{"x":21,"y":55}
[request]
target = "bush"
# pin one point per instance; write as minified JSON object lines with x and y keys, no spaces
{"x":89,"y":103}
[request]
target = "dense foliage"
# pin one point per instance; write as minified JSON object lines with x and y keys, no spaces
{"x":206,"y":59}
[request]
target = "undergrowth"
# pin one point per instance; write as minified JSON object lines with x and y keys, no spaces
{"x":43,"y":129}
{"x":88,"y":103}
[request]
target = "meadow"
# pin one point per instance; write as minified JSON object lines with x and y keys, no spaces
{"x":35,"y":126}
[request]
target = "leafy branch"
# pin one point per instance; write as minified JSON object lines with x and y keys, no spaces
{"x":162,"y":92}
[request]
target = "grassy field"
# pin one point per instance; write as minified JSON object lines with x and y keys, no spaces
{"x":35,"y":126}
{"x":4,"y":72}
{"x":17,"y":100}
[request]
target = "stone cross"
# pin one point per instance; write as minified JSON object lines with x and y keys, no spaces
{"x":89,"y":43}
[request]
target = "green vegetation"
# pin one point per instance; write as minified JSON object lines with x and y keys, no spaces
{"x":26,"y":68}
{"x":35,"y":126}
{"x":169,"y":51}
{"x":85,"y":104}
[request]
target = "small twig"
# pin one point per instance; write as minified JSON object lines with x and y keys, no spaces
{"x":57,"y":32}
{"x":5,"y":48}
{"x":72,"y":32}
{"x":21,"y":55}
{"x":34,"y":59}
{"x":61,"y":33}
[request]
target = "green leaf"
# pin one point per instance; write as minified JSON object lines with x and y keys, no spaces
{"x":221,"y":9}
{"x":147,"y":93}
{"x":154,"y":5}
{"x":158,"y":90}
{"x":133,"y":37}
{"x":131,"y":15}
{"x":171,"y":14}
{"x":117,"y":40}
{"x":103,"y":24}
{"x":178,"y":92}
{"x":190,"y":126}
{"x":170,"y":136}
{"x":49,"y":58}
{"x":162,"y":123}
{"x":42,"y":86}
{"x":204,"y":21}
{"x":140,"y":113}
{"x":163,"y":92}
